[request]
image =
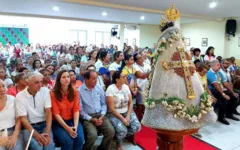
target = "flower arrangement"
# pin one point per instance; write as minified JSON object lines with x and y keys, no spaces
{"x":179,"y":108}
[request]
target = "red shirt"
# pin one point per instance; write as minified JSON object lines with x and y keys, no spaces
{"x":17,"y":52}
{"x":65,"y":108}
{"x":77,"y":85}
{"x":12,"y":91}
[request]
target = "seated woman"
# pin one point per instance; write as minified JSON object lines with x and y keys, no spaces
{"x":47,"y":82}
{"x":67,"y":129}
{"x":10,"y":126}
{"x":129,"y":70}
{"x":73,"y":79}
{"x":121,"y":114}
{"x":37,"y":65}
{"x":51,"y":69}
{"x":21,"y":84}
{"x":7,"y":81}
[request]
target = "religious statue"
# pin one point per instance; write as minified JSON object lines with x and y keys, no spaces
{"x":176,"y":103}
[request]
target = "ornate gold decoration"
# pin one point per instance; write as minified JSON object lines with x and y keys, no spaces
{"x":172,"y":14}
{"x":163,"y":22}
{"x":183,"y":68}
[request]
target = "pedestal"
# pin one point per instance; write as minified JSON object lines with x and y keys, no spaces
{"x":172,"y":140}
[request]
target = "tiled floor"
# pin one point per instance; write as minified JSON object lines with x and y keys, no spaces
{"x":220,"y":135}
{"x":223,"y":136}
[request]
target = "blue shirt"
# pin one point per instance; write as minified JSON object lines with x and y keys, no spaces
{"x":111,"y":51}
{"x":215,"y":77}
{"x":92,"y":101}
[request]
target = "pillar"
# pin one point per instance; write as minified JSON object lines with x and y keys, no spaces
{"x":121,"y":34}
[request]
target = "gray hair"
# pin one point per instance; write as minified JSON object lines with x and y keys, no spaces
{"x":30,"y":75}
{"x":214,"y":62}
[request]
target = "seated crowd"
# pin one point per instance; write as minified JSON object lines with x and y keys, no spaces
{"x":69,"y":95}
{"x":217,"y":76}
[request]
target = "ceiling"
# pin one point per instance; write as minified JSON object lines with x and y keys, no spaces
{"x":225,"y":8}
{"x":43,"y":8}
{"x":121,"y":11}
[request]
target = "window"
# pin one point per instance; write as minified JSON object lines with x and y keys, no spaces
{"x":82,"y":37}
{"x":78,"y":35}
{"x":134,"y":42}
{"x":102,"y":38}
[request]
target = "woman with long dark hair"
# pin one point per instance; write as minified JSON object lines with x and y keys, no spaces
{"x":92,"y":57}
{"x":65,"y":108}
{"x":209,"y":55}
{"x":102,"y":66}
{"x":116,"y":65}
{"x":37,"y":65}
{"x":62,"y":52}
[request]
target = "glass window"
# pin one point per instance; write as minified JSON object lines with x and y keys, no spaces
{"x":102,"y":38}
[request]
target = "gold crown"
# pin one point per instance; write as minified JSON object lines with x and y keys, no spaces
{"x":172,"y":15}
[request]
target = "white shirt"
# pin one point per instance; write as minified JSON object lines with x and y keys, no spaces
{"x":60,"y":55}
{"x":114,"y":66}
{"x":227,"y":75}
{"x":14,"y":73}
{"x":142,"y":83}
{"x":70,"y":57}
{"x":8,"y":115}
{"x":77,"y":70}
{"x":7,"y":82}
{"x":147,"y":61}
{"x":210,"y":59}
{"x":98,"y":65}
{"x":121,"y":97}
{"x":35,"y":112}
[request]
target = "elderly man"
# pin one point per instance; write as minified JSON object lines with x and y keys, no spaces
{"x":93,"y":111}
{"x":33,"y":106}
{"x":226,"y":98}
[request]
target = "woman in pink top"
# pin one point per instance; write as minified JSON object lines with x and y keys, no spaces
{"x":209,"y":55}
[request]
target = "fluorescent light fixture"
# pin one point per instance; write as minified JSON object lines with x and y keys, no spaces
{"x":212,"y":5}
{"x":55,"y":8}
{"x":142,"y":18}
{"x":104,"y":14}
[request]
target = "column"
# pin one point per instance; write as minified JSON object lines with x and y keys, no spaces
{"x":121,"y":34}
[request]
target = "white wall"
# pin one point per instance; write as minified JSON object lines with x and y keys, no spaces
{"x":232,"y":48}
{"x":214,"y":31}
{"x":149,"y":34}
{"x":52,"y":31}
{"x":130,"y":35}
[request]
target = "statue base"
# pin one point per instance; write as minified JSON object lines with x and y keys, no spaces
{"x":172,"y":140}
